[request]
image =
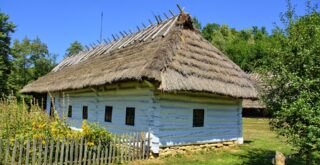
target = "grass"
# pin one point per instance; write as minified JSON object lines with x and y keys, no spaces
{"x":258,"y":149}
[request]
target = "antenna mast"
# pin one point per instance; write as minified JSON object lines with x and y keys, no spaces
{"x":101,"y":27}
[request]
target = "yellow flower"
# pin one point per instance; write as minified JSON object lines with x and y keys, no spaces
{"x":85,"y":128}
{"x":90,"y":144}
{"x":11,"y":141}
{"x":42,"y":125}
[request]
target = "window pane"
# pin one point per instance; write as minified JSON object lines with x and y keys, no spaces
{"x":198,"y":118}
{"x":108,"y":114}
{"x":52,"y":106}
{"x":70,"y":111}
{"x":130,"y":113}
{"x":85,"y":112}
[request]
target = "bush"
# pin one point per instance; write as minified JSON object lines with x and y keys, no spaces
{"x":25,"y":122}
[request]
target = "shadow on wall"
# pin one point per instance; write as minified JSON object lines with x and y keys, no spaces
{"x":255,"y":112}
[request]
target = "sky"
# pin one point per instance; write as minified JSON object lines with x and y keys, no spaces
{"x":60,"y":22}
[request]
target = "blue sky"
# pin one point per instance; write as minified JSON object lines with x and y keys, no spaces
{"x":60,"y":22}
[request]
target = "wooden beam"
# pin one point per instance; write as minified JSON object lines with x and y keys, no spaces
{"x":150,"y":22}
{"x":160,"y":18}
{"x":144,"y":25}
{"x":157,"y":19}
{"x":114,"y":38}
{"x":180,"y":8}
{"x":172,"y":13}
{"x":122,"y":34}
{"x":165,"y":15}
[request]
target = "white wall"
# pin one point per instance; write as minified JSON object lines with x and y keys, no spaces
{"x":222,"y":120}
{"x":169,"y":117}
{"x":118,"y":99}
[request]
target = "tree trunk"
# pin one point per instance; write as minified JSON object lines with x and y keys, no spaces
{"x":309,"y":157}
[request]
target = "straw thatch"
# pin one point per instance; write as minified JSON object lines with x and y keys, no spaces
{"x":174,"y":54}
{"x":255,"y":103}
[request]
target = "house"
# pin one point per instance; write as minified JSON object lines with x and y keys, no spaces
{"x":165,"y":79}
{"x":255,"y":107}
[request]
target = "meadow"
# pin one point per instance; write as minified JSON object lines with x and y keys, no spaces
{"x":259,"y":148}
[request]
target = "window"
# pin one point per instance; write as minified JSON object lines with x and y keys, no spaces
{"x":130,"y":116}
{"x":198,"y":117}
{"x":70,"y":111}
{"x":85,"y":112}
{"x":108,"y":114}
{"x":51,"y":113}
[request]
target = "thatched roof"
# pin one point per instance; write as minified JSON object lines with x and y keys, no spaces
{"x":172,"y":53}
{"x":258,"y":84}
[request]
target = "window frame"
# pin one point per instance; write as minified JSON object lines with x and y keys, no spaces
{"x":85,"y":113}
{"x":130,"y":120}
{"x":198,"y":119}
{"x":69,"y":114}
{"x":108,"y":116}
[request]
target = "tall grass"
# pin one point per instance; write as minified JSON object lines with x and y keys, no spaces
{"x":22,"y":121}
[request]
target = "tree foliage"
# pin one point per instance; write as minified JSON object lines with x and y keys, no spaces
{"x":248,"y":48}
{"x":196,"y":23}
{"x":22,"y":62}
{"x":74,"y":48}
{"x":293,"y":78}
{"x":6,"y":28}
{"x":31,"y":60}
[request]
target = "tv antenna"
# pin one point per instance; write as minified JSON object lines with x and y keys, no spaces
{"x":101,"y":27}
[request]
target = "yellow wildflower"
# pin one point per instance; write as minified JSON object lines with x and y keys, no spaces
{"x":11,"y":141}
{"x":90,"y":144}
{"x":42,"y":125}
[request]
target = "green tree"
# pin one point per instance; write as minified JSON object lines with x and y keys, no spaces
{"x":209,"y":29}
{"x":6,"y":28}
{"x":31,"y":60}
{"x":293,"y":78}
{"x":196,"y":23}
{"x":248,"y":48}
{"x":74,"y":48}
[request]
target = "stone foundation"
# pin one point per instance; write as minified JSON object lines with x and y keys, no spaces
{"x":182,"y":149}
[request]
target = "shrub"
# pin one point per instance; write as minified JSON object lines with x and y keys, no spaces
{"x":25,"y":122}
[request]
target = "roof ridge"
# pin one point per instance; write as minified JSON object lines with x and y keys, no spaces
{"x":148,"y":33}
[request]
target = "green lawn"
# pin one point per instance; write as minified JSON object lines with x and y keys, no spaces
{"x":258,"y":149}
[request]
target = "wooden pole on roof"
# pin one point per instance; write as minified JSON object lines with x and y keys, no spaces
{"x":114,"y":38}
{"x":150,"y":22}
{"x":165,"y":15}
{"x":160,"y":18}
{"x":117,"y":36}
{"x":180,"y":8}
{"x":172,"y":13}
{"x":157,"y":19}
{"x":121,"y":34}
